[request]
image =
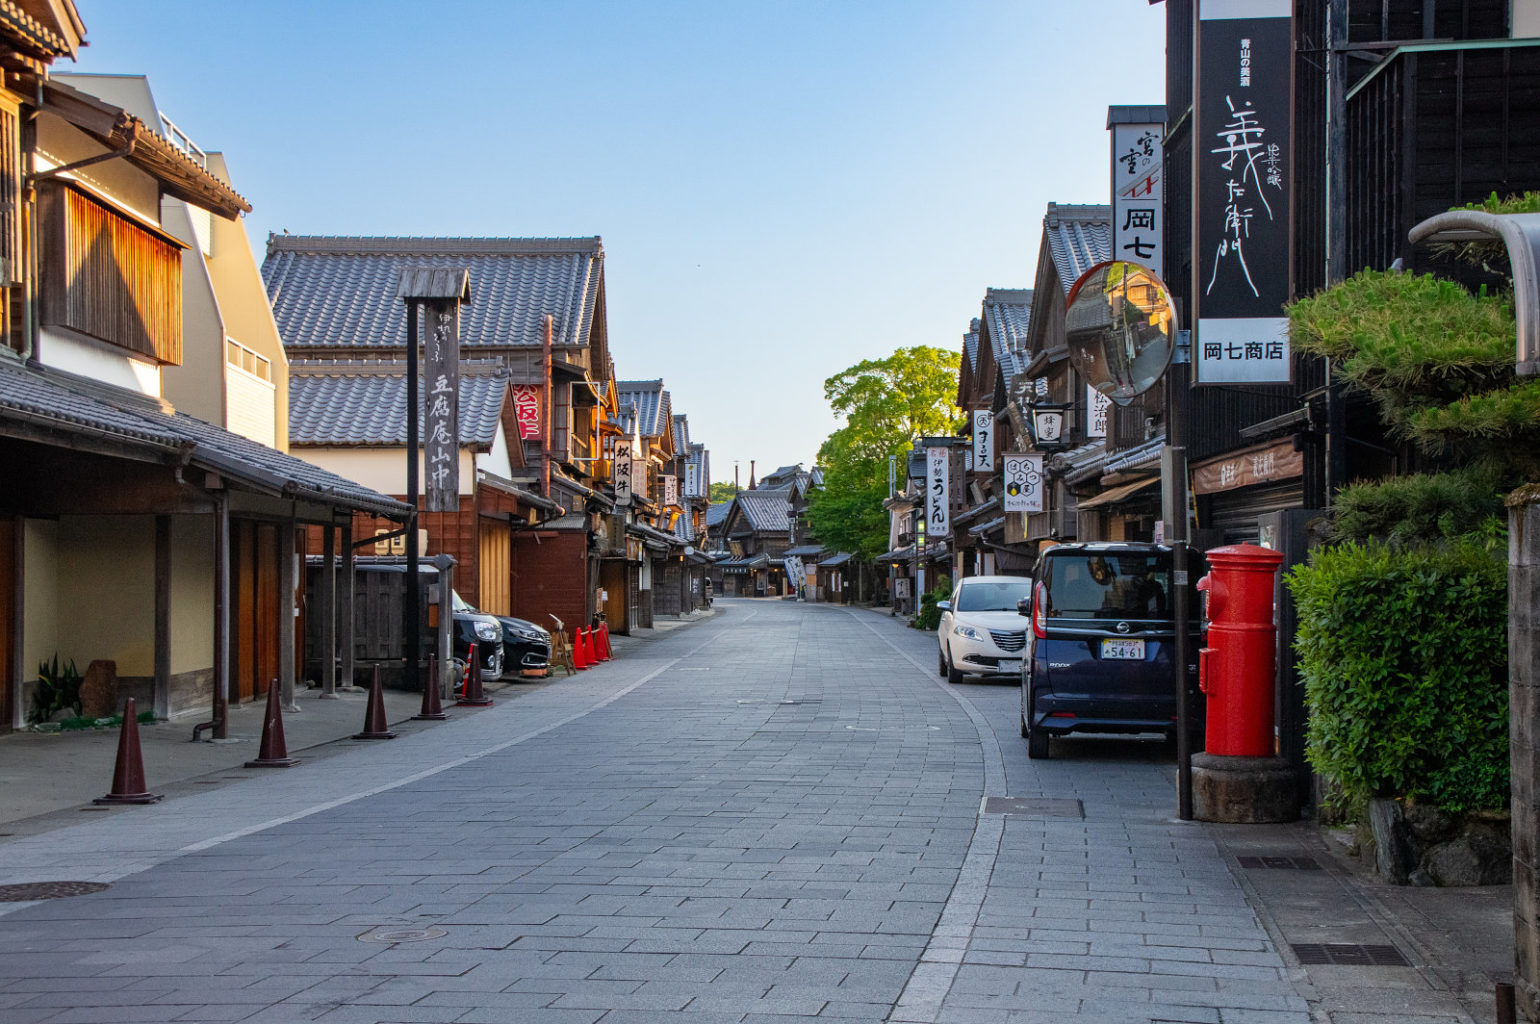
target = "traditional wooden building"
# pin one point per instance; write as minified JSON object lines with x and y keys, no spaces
{"x":537,"y":310}
{"x":154,"y":545}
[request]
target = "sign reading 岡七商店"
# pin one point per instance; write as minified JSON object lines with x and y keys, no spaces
{"x":938,"y":510}
{"x":441,"y":409}
{"x":1241,"y":191}
{"x":1023,"y":482}
{"x":1136,"y":194}
{"x":983,"y":441}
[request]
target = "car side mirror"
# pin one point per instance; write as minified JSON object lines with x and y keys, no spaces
{"x":944,"y":606}
{"x":1024,"y":606}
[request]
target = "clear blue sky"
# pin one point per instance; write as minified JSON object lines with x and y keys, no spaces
{"x":783,"y":188}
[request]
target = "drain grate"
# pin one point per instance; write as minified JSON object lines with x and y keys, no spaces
{"x":1046,"y":807}
{"x":1349,"y":954}
{"x":26,"y":891}
{"x":1280,"y":863}
{"x":393,"y":935}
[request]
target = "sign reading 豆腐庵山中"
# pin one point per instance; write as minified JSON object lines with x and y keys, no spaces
{"x":441,"y":408}
{"x":1241,"y":169}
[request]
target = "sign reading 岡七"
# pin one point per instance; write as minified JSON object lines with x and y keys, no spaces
{"x":526,"y":409}
{"x":938,"y":511}
{"x":1023,"y":482}
{"x":1241,"y":161}
{"x":441,"y":408}
{"x":1136,"y":189}
{"x":983,"y":441}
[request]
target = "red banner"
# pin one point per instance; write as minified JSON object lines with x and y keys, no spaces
{"x":526,"y":407}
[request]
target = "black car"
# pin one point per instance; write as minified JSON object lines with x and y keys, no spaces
{"x":525,"y":646}
{"x":1101,"y":644}
{"x":483,"y":630}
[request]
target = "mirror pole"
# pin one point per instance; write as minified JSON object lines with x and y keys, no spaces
{"x":1173,"y":473}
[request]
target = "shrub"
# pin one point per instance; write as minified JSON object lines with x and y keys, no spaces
{"x":929,"y":616}
{"x":57,"y":689}
{"x":1404,"y":656}
{"x":1422,"y":508}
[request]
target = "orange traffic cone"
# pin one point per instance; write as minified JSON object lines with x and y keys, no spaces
{"x":128,"y":774}
{"x":580,"y":655}
{"x":274,"y":752}
{"x":606,"y":652}
{"x":374,"y":717}
{"x":432,"y":710}
{"x":472,"y":697}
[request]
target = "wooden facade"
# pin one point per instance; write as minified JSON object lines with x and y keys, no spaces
{"x":107,"y":276}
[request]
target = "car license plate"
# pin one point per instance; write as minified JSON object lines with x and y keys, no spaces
{"x":1010,"y":665}
{"x":1123,"y":650}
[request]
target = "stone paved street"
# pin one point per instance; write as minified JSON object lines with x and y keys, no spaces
{"x":775,"y":814}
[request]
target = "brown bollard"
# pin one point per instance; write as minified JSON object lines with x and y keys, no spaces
{"x":472,"y":697}
{"x":374,"y":718}
{"x":432,"y":710}
{"x":274,"y":752}
{"x":128,"y":774}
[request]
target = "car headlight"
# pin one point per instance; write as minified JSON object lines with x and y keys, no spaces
{"x":967,"y":631}
{"x":527,"y":634}
{"x":487,"y":631}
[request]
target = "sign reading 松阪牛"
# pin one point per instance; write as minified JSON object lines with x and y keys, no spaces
{"x":1241,"y":166}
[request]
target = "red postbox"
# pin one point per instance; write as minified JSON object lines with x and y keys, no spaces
{"x":1238,"y":668}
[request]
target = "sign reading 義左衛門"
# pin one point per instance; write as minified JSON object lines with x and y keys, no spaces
{"x":1241,"y":168}
{"x":670,"y":490}
{"x":1260,"y":465}
{"x":1096,"y":406}
{"x":1023,"y":482}
{"x":526,"y":409}
{"x":1136,"y":194}
{"x":938,"y":509}
{"x":983,"y":441}
{"x":441,"y":409}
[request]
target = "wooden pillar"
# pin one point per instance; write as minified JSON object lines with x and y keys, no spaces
{"x":345,"y":639}
{"x":328,"y":603}
{"x":222,"y":600}
{"x":1524,"y":738}
{"x":162,"y":695}
{"x":286,"y":608}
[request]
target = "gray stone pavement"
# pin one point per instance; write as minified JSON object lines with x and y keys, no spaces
{"x":777,"y":813}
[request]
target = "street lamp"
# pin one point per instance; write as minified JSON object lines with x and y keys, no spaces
{"x":1046,"y":420}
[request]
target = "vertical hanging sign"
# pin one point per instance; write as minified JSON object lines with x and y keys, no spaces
{"x":526,"y":409}
{"x":983,"y":441}
{"x":1096,"y":405}
{"x":441,"y":408}
{"x":621,"y":474}
{"x":1136,"y":185}
{"x":670,"y":490}
{"x":1023,"y":482}
{"x":938,"y":511}
{"x":691,"y":480}
{"x":1241,"y":193}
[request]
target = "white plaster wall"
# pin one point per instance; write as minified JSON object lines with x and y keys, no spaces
{"x":382,"y":469}
{"x":106,"y":363}
{"x":1526,"y":19}
{"x":106,"y":591}
{"x":497,"y":461}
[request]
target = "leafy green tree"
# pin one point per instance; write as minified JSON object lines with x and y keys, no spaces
{"x":887,"y":404}
{"x":722,"y":490}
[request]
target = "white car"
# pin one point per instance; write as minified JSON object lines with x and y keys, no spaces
{"x":982,"y":631}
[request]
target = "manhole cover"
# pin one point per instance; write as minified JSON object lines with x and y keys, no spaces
{"x":1349,"y":954}
{"x":1046,"y":807}
{"x":26,"y":891}
{"x":1280,"y":863}
{"x":390,"y":934}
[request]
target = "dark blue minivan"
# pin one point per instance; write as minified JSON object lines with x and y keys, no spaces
{"x":1100,"y":646}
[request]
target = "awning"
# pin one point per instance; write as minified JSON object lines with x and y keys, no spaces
{"x":833,"y":563}
{"x":897,"y":555}
{"x":997,"y":523}
{"x":1113,"y":495}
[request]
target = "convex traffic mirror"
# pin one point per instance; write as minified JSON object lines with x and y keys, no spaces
{"x":1120,"y":322}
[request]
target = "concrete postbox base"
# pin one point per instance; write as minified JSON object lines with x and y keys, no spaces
{"x":1243,"y":790}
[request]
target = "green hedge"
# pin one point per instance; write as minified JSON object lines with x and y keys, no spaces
{"x":1404,"y":655}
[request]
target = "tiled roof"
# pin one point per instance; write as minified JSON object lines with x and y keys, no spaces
{"x":805,"y":551}
{"x":835,"y":560}
{"x":49,"y":399}
{"x":681,"y":432}
{"x":716,"y":513}
{"x":369,"y":409}
{"x":1079,"y":237}
{"x":766,"y":511}
{"x":653,"y":406}
{"x":971,"y":344}
{"x":1008,"y":312}
{"x":339,"y":292}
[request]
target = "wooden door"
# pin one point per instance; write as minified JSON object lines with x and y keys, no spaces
{"x":254,"y":552}
{"x":7,"y":621}
{"x":494,"y":572}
